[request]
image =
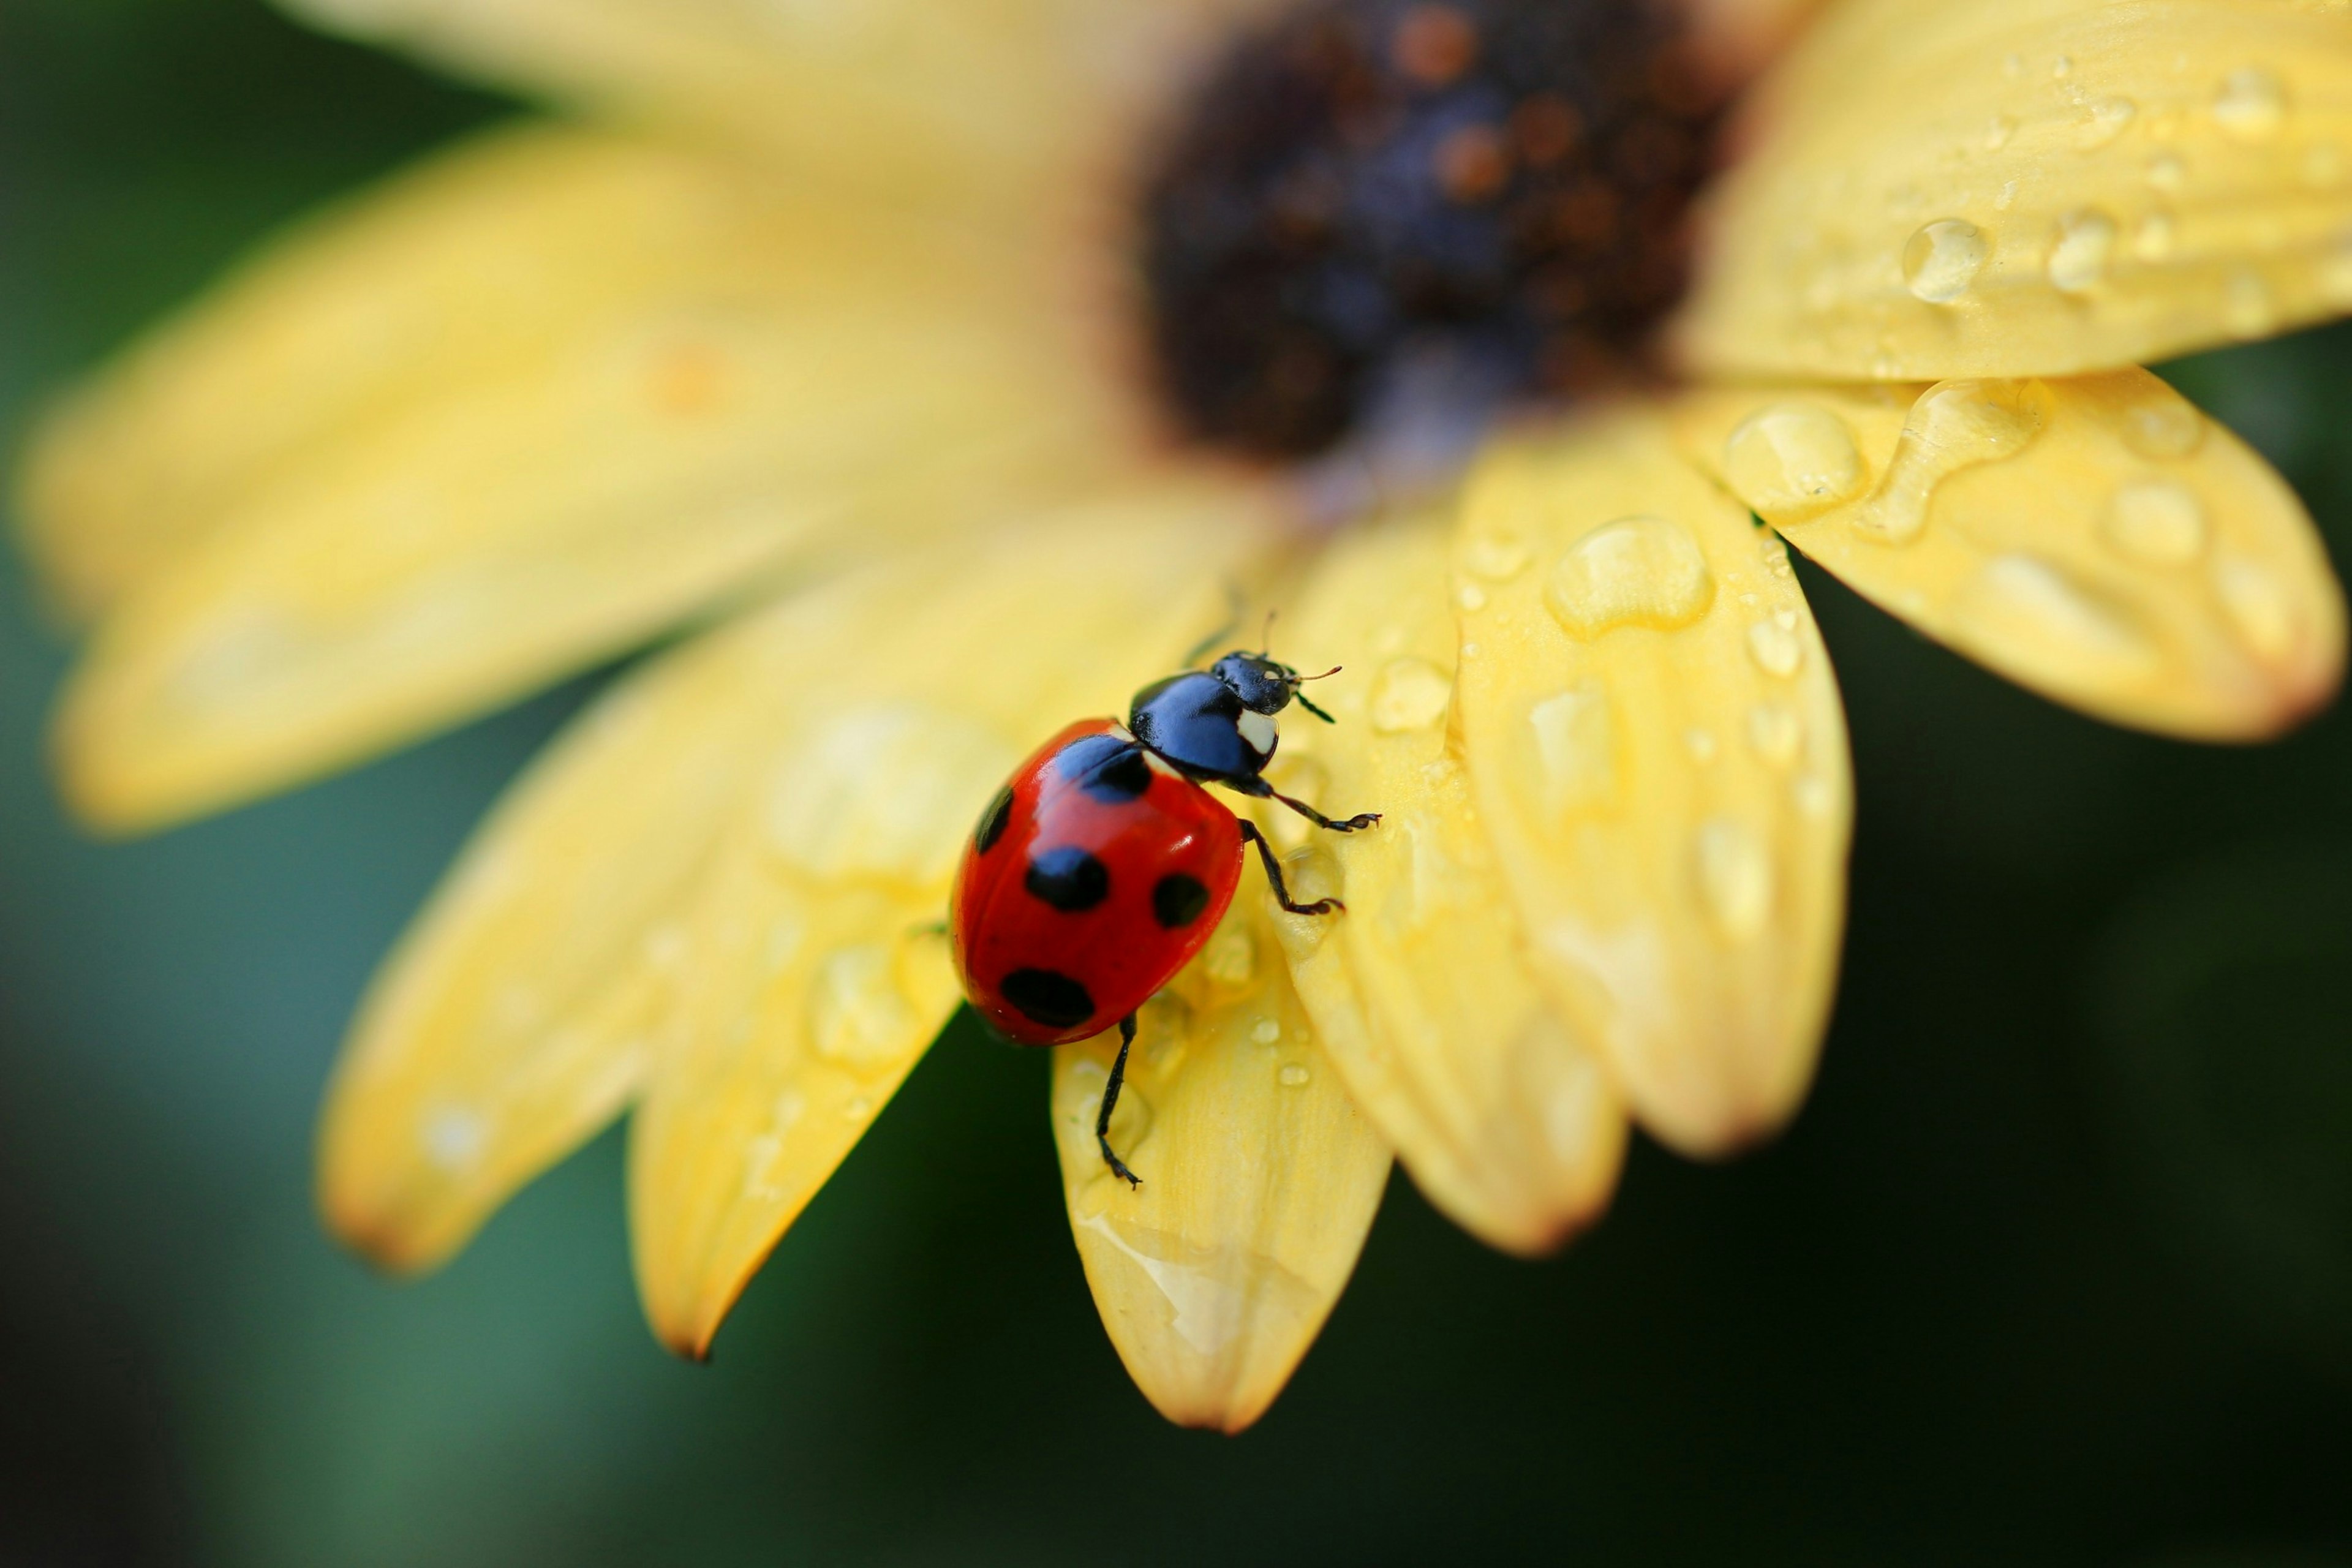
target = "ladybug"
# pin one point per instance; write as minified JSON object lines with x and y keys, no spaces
{"x":1105,"y":863}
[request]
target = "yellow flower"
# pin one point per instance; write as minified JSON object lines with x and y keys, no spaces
{"x":821,"y":328}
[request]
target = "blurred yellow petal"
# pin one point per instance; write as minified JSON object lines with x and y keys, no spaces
{"x":1260,"y":1180}
{"x":2096,"y":539}
{"x":1421,"y":993}
{"x":979,"y":102}
{"x":2033,"y":187}
{"x":1658,"y":756}
{"x":813,"y":971}
{"x":791,"y":378}
{"x":514,"y":1019}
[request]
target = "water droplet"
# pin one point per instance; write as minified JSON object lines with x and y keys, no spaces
{"x":884,"y":790}
{"x":2246,"y":307}
{"x":858,"y":1015}
{"x":1496,"y":557}
{"x":1266,"y":1031}
{"x":1471,"y":597}
{"x":455,"y":1137}
{"x":1574,"y":742}
{"x":2026,"y":615}
{"x":1736,"y":876}
{"x":2103,"y":119}
{"x":1793,"y":460}
{"x":857,"y":1107}
{"x":2164,"y":427}
{"x":2084,"y":248}
{"x":2006,"y":197}
{"x":2157,"y":521}
{"x":2154,"y":236}
{"x":1774,"y":733}
{"x":2258,"y":607}
{"x":1409,"y":694}
{"x":1815,"y":796}
{"x":1776,"y":650}
{"x":2062,"y":67}
{"x":1293,"y":1076}
{"x":1998,"y":131}
{"x":2251,"y":105}
{"x":2166,"y":172}
{"x":1941,"y":260}
{"x":1701,"y":745}
{"x":1634,"y":571}
{"x":1231,"y":958}
{"x":787,"y":1112}
{"x":1955,"y":425}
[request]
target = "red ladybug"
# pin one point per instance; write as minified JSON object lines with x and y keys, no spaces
{"x":1103,"y":865}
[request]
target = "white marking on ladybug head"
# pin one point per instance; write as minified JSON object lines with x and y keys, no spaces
{"x":1257,"y":728}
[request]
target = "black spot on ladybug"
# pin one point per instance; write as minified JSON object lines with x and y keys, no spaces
{"x":1177,"y":900}
{"x":1105,"y":767}
{"x":1068,"y":877}
{"x":1049,"y":997}
{"x":992,"y":820}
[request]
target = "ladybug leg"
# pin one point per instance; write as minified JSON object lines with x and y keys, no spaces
{"x":1266,"y":791}
{"x":1111,"y":1102}
{"x":1274,"y":875}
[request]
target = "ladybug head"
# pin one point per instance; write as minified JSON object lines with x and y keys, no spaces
{"x":1263,"y":684}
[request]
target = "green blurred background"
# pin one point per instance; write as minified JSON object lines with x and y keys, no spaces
{"x":2056,"y":1266}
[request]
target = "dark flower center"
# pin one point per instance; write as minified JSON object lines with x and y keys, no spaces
{"x":1369,"y":185}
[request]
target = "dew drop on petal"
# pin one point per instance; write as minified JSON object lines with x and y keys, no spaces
{"x":1791,"y":460}
{"x":1409,"y":694}
{"x":2026,"y":614}
{"x":2251,"y":105}
{"x":1266,"y":1031}
{"x":1701,"y":744}
{"x":1942,"y":259}
{"x":1998,"y":131}
{"x":2246,"y":307}
{"x":2166,"y":172}
{"x":2258,"y":607}
{"x":2154,"y":236}
{"x":1231,"y":957}
{"x":1471,"y":597}
{"x":2160,"y":521}
{"x":2103,"y":119}
{"x":455,"y":1137}
{"x":1636,"y":571}
{"x":1955,"y":425}
{"x":2165,"y":427}
{"x":1776,"y":649}
{"x":2084,"y":248}
{"x":1573,"y":738}
{"x":1498,"y":558}
{"x":1293,"y":1076}
{"x":1774,"y":733}
{"x":858,"y":1015}
{"x":1736,"y":876}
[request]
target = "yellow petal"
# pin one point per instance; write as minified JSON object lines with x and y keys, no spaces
{"x":1260,"y":1180}
{"x":782,"y":378}
{"x":2096,"y":539}
{"x":2033,"y":187}
{"x":1658,"y":756}
{"x":1421,"y":993}
{"x":515,"y":1017}
{"x":813,"y":971}
{"x":979,"y":102}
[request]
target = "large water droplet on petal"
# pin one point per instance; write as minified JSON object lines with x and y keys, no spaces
{"x":2027,"y":615}
{"x":2084,"y":248}
{"x":1736,"y":876}
{"x":2157,"y":520}
{"x":1955,"y":425}
{"x":1791,"y":460}
{"x":1775,"y":648}
{"x":1942,"y":259}
{"x":1634,"y":571}
{"x":1409,"y":694}
{"x":2251,"y":105}
{"x":2164,"y":425}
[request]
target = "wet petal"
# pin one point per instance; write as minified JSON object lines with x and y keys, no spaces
{"x":1658,"y":756}
{"x":1260,"y":1180}
{"x":2018,"y":187}
{"x":2096,"y":539}
{"x":813,"y":971}
{"x":1421,"y":993}
{"x":440,"y":534}
{"x":978,"y":101}
{"x":514,"y":1019}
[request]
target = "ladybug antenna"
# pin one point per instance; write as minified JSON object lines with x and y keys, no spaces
{"x":1300,"y":697}
{"x":1265,"y":636}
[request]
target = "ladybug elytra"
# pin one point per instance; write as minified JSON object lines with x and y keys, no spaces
{"x":1105,"y":863}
